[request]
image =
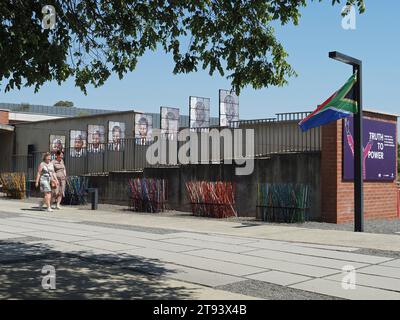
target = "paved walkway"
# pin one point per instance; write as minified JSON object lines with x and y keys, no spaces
{"x":177,"y":255}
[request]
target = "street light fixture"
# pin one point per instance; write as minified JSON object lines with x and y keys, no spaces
{"x":358,"y":143}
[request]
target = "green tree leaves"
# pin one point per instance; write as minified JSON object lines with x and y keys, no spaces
{"x":94,"y":39}
{"x":65,"y":103}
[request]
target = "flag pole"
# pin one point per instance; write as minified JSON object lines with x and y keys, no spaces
{"x":358,"y":143}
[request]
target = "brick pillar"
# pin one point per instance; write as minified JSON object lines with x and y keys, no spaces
{"x":329,"y":171}
{"x":4,"y":116}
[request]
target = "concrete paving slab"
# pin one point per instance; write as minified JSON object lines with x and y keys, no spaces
{"x":326,"y":247}
{"x":209,"y":245}
{"x":97,"y":254}
{"x":277,"y":277}
{"x":333,"y":288}
{"x":106,"y":245}
{"x":6,"y":236}
{"x":277,"y":265}
{"x":213,"y":238}
{"x":80,"y":227}
{"x":147,"y":243}
{"x":71,"y":231}
{"x":371,"y":281}
{"x":47,"y":227}
{"x":67,"y":247}
{"x":54,"y":216}
{"x":380,"y":270}
{"x":45,"y":221}
{"x":20,"y":224}
{"x":137,"y":234}
{"x":53,"y":226}
{"x":272,"y":245}
{"x":196,"y":262}
{"x":388,"y":242}
{"x":193,"y":275}
{"x":91,"y":230}
{"x":55,"y":236}
{"x":308,"y":260}
{"x":13,"y":229}
{"x":393,"y":263}
{"x":347,"y":256}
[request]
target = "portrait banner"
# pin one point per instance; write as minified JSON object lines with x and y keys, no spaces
{"x":78,"y":143}
{"x":143,"y":128}
{"x":116,"y":135}
{"x":199,"y":112}
{"x":96,"y":138}
{"x":228,"y":108}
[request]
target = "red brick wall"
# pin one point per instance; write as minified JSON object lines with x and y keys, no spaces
{"x":398,"y":201}
{"x":337,"y":196}
{"x":4,"y":117}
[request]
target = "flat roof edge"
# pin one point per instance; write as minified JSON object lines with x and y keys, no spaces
{"x":82,"y":116}
{"x":371,"y":110}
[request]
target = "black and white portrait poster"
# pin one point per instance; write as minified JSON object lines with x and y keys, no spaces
{"x":169,"y":122}
{"x":143,"y":128}
{"x":57,"y":143}
{"x":77,"y":143}
{"x":199,"y":111}
{"x":116,"y":135}
{"x":96,"y":138}
{"x":228,"y":107}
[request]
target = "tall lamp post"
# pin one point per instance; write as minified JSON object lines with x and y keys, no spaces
{"x":358,"y":143}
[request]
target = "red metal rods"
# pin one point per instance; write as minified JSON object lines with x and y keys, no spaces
{"x":212,"y":199}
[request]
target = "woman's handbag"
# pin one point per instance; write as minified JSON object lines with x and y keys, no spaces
{"x":53,"y":184}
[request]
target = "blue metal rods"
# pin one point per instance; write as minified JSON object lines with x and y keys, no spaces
{"x":148,"y":195}
{"x":75,"y":190}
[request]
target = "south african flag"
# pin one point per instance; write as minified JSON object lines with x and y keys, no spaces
{"x":340,"y":105}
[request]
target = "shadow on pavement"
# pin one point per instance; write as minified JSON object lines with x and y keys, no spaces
{"x":92,"y":276}
{"x":36,"y":209}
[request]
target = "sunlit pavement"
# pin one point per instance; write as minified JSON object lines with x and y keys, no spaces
{"x":99,"y":254}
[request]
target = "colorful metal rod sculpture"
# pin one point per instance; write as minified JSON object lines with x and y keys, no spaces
{"x":75,"y":190}
{"x":148,"y":195}
{"x":212,"y":199}
{"x":13,"y":184}
{"x":287,"y":203}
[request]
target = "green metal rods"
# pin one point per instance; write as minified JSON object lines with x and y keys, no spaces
{"x":287,"y":203}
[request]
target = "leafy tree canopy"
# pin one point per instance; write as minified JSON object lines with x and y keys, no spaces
{"x":64,"y":104}
{"x":93,"y":39}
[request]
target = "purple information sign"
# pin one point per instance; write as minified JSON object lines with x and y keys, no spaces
{"x":379,"y":156}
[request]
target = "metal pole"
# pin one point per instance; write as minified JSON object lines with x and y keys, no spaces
{"x":358,"y":156}
{"x":358,"y":141}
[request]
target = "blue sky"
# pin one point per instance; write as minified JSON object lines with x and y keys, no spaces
{"x":152,"y":84}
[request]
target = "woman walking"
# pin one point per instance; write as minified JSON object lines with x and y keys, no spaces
{"x":61,"y":174}
{"x":47,"y":179}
